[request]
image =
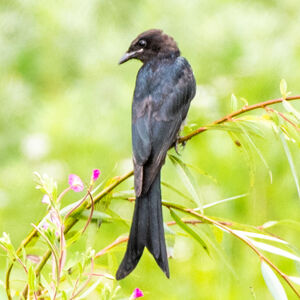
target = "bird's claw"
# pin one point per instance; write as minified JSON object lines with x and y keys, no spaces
{"x":178,"y":143}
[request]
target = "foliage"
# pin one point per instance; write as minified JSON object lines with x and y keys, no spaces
{"x":70,"y":279}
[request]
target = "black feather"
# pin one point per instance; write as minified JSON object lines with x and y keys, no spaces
{"x":164,"y":88}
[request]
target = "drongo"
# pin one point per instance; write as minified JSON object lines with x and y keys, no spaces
{"x":165,"y":86}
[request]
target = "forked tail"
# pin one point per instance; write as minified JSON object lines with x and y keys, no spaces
{"x":147,"y":230}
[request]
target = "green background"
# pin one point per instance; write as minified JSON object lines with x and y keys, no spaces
{"x":65,"y":108}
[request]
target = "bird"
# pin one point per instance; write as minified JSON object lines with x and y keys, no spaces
{"x":165,"y":87}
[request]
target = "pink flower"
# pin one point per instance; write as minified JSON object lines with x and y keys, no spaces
{"x":96,"y":174}
{"x":75,"y":183}
{"x":137,"y":293}
{"x":46,"y":199}
{"x":45,"y":225}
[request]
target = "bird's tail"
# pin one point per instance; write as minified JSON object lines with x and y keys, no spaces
{"x":146,"y":231}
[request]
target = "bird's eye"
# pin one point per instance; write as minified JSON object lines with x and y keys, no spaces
{"x":142,"y":43}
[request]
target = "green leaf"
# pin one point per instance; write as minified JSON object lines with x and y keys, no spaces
{"x":275,"y":250}
{"x":295,"y":279}
{"x":64,"y":295}
{"x":259,"y":236}
{"x":188,"y":230}
{"x":177,"y":191}
{"x":201,"y":172}
{"x":273,"y":283}
{"x":97,"y":216}
{"x":90,"y":289}
{"x":290,"y":160}
{"x":247,"y":151}
{"x":291,"y":223}
{"x":31,"y":279}
{"x":187,"y":179}
{"x":289,"y":108}
{"x":283,"y":88}
{"x":257,"y":151}
{"x":6,"y":244}
{"x":244,"y":100}
{"x":170,"y":240}
{"x":73,"y":237}
{"x":234,"y":103}
{"x":223,"y":200}
{"x":218,"y":234}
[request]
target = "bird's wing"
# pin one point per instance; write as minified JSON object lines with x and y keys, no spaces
{"x":160,"y":105}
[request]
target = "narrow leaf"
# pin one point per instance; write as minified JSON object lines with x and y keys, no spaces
{"x":273,"y":283}
{"x":275,"y":250}
{"x":257,"y":151}
{"x":189,"y":230}
{"x":259,"y":236}
{"x":224,"y":200}
{"x":291,"y":162}
{"x":187,"y":179}
{"x":283,"y":88}
{"x":290,"y":223}
{"x":289,"y":108}
{"x":31,"y":279}
{"x":295,"y":279}
{"x":234,"y":103}
{"x":176,"y":191}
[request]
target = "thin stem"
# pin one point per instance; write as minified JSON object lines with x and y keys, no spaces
{"x":91,"y":213}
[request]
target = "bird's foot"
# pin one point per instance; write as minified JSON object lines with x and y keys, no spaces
{"x":177,"y":143}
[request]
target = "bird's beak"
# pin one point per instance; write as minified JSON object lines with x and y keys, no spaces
{"x":129,"y":55}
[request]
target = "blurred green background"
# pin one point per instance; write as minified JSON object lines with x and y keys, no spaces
{"x":65,"y":107}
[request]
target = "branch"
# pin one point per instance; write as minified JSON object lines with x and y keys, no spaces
{"x":236,"y":113}
{"x":122,"y":178}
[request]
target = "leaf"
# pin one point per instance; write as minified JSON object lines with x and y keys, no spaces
{"x":123,"y":194}
{"x":73,"y":237}
{"x":244,"y":100}
{"x":219,"y":251}
{"x":31,"y":279}
{"x":170,"y":240}
{"x":189,"y":230}
{"x":283,"y":88}
{"x":97,"y":216}
{"x":257,"y":151}
{"x":250,"y":123}
{"x":289,"y":108}
{"x":201,"y":172}
{"x":90,"y":289}
{"x":273,"y":283}
{"x":291,"y":223}
{"x":259,"y":236}
{"x":218,"y":234}
{"x":275,"y":250}
{"x":224,"y":200}
{"x":247,"y":151}
{"x":234,"y":103}
{"x":187,"y":179}
{"x":290,"y":160}
{"x":295,"y":279}
{"x":176,"y":191}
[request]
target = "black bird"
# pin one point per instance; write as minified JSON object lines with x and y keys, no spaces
{"x":165,"y":86}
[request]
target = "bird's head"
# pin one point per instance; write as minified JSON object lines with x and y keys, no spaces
{"x":150,"y":44}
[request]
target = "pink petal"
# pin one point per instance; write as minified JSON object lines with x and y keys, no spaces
{"x":137,"y":293}
{"x":75,"y":183}
{"x":46,"y":199}
{"x":96,"y":174}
